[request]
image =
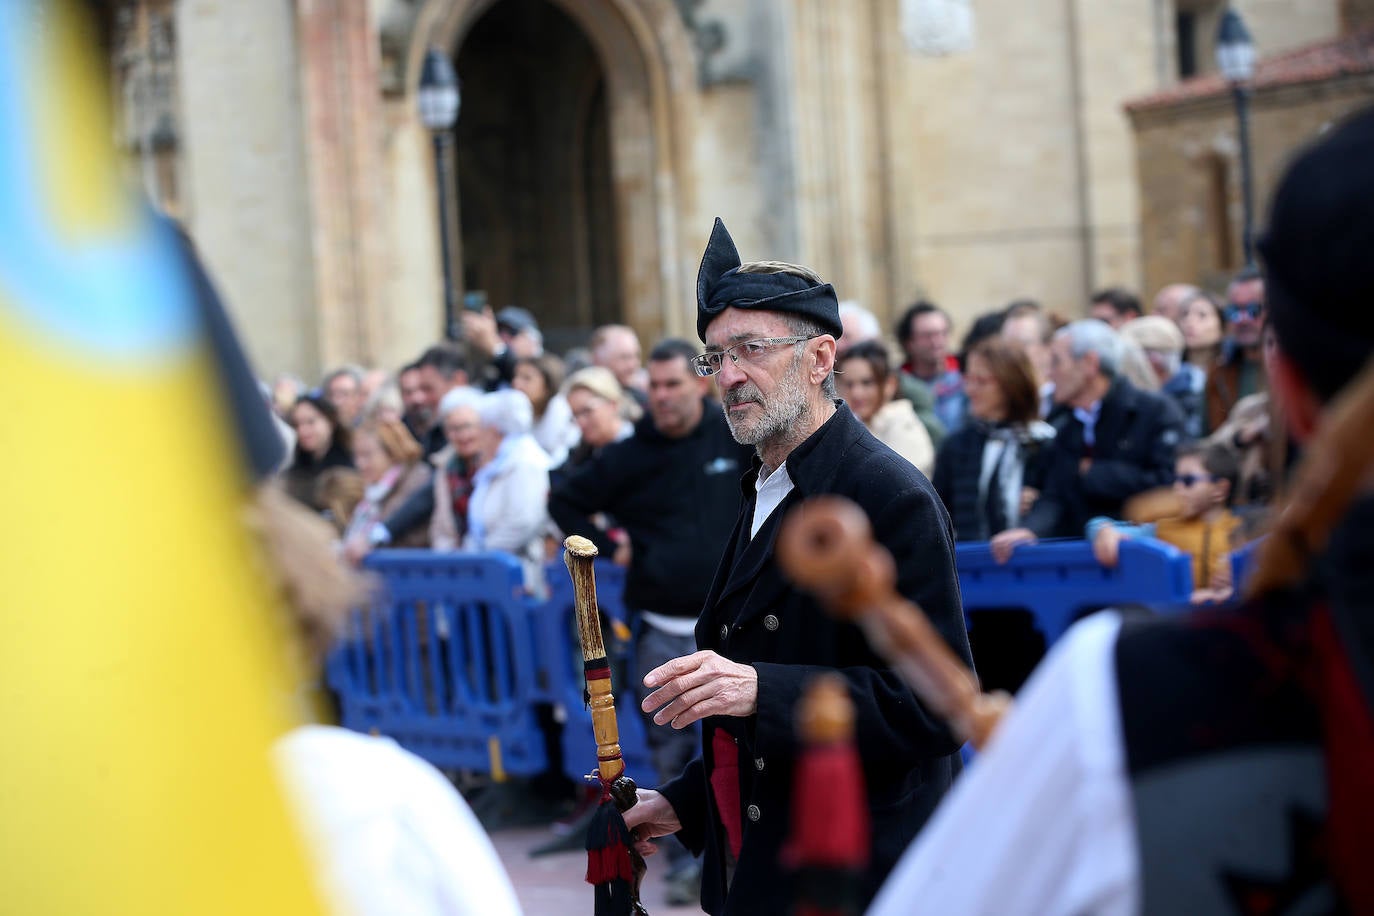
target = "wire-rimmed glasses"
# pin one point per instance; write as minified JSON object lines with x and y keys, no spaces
{"x":751,"y":351}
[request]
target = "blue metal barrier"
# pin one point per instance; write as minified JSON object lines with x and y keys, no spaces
{"x":445,"y":662}
{"x":1057,"y":581}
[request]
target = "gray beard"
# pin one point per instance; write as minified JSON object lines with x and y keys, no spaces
{"x":778,"y":418}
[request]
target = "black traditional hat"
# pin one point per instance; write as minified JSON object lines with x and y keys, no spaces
{"x":720,"y":285}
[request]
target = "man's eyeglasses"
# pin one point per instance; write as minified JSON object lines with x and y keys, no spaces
{"x":1189,"y":479}
{"x":751,"y":351}
{"x":1251,"y":310}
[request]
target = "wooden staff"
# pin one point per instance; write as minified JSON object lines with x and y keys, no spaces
{"x":605,"y":857}
{"x":826,"y":547}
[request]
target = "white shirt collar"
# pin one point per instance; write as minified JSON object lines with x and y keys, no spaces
{"x":771,"y":490}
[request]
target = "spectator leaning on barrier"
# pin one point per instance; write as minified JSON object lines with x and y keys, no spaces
{"x":991,"y":471}
{"x":454,"y":467}
{"x":1203,"y":527}
{"x":674,"y":488}
{"x":389,"y":460}
{"x":1111,"y":443}
{"x":869,"y":386}
{"x":1162,"y":343}
{"x":508,"y":507}
{"x":322,"y":442}
{"x":861,"y":326}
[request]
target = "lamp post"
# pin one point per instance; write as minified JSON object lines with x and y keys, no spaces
{"x":1236,"y":60}
{"x":439,"y":101}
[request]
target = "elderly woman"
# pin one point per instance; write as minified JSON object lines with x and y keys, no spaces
{"x":990,"y":471}
{"x":539,"y":377}
{"x":868,"y":385}
{"x":1163,"y":344}
{"x":388,"y":459}
{"x":507,"y":511}
{"x":322,"y":442}
{"x":454,"y":467}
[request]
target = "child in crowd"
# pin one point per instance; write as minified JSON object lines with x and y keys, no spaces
{"x":1203,"y":527}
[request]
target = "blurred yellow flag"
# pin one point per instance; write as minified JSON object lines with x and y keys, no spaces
{"x":141,"y":683}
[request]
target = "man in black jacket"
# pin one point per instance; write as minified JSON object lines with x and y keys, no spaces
{"x":770,"y":332}
{"x":1112,"y":440}
{"x":673,"y":487}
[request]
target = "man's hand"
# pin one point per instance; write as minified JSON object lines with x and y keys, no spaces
{"x":1084,"y":465}
{"x":1004,"y":542}
{"x":702,"y":684}
{"x":479,"y":329}
{"x":1028,"y":497}
{"x":651,"y":817}
{"x":1107,"y":546}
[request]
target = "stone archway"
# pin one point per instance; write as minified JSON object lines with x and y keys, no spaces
{"x":650,"y":86}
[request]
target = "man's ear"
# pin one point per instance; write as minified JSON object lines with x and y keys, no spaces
{"x":825,"y":357}
{"x":1299,"y":404}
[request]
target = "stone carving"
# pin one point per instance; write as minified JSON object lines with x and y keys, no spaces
{"x":937,"y":27}
{"x":709,"y":40}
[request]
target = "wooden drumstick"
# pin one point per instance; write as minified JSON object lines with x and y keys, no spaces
{"x":826,"y":547}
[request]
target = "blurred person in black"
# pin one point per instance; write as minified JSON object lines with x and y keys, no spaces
{"x":322,"y":442}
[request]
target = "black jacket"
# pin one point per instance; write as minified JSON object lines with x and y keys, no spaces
{"x":675,"y":498}
{"x":958,"y":468}
{"x":754,"y":616}
{"x":1136,"y":435}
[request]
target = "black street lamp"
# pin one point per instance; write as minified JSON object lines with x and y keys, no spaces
{"x":439,"y":101}
{"x":1236,"y":60}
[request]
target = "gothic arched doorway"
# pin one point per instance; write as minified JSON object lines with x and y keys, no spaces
{"x":534,"y":170}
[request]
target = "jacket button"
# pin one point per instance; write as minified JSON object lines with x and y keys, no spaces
{"x":754,"y":813}
{"x":758,"y":763}
{"x":724,"y":630}
{"x":770,"y":623}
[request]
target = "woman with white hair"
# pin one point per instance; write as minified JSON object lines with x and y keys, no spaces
{"x":508,"y":508}
{"x":455,"y":465}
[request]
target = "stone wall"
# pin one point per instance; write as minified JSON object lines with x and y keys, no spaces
{"x":245,"y":201}
{"x":1189,"y":180}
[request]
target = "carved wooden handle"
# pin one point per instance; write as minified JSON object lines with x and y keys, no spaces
{"x":579,"y":555}
{"x":826,"y":547}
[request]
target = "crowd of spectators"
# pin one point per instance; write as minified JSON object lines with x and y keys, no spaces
{"x":1033,"y":428}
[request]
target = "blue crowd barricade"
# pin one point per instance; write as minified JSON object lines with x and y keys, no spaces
{"x":445,"y":661}
{"x":561,"y":664}
{"x":1058,"y":581}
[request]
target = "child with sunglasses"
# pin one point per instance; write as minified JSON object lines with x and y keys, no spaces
{"x":1203,"y":525}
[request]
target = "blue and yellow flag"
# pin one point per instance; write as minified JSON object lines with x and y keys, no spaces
{"x":140,"y":681}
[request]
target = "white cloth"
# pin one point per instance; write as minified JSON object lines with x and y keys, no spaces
{"x":1042,"y":821}
{"x":387,"y":832}
{"x":771,"y":491}
{"x":673,"y":626}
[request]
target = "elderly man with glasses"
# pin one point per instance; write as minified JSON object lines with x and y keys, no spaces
{"x":1239,"y":372}
{"x":770,"y":330}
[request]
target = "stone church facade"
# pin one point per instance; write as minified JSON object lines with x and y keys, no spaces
{"x":970,"y":151}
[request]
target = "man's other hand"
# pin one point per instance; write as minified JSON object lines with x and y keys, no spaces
{"x":1004,"y":542}
{"x":690,"y":688}
{"x":651,"y":817}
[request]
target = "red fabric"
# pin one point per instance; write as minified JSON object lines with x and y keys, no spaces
{"x":829,"y":810}
{"x":1349,"y":729}
{"x":608,"y":850}
{"x":725,"y":786}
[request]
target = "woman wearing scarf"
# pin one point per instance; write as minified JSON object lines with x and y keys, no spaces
{"x":869,"y":386}
{"x":388,"y":459}
{"x":508,"y":507}
{"x":989,"y":472}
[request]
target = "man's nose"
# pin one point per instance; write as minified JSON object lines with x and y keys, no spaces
{"x":730,"y":374}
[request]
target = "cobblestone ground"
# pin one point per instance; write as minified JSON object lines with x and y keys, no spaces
{"x":553,"y":885}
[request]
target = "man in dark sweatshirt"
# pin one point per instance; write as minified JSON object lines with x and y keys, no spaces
{"x":674,"y":488}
